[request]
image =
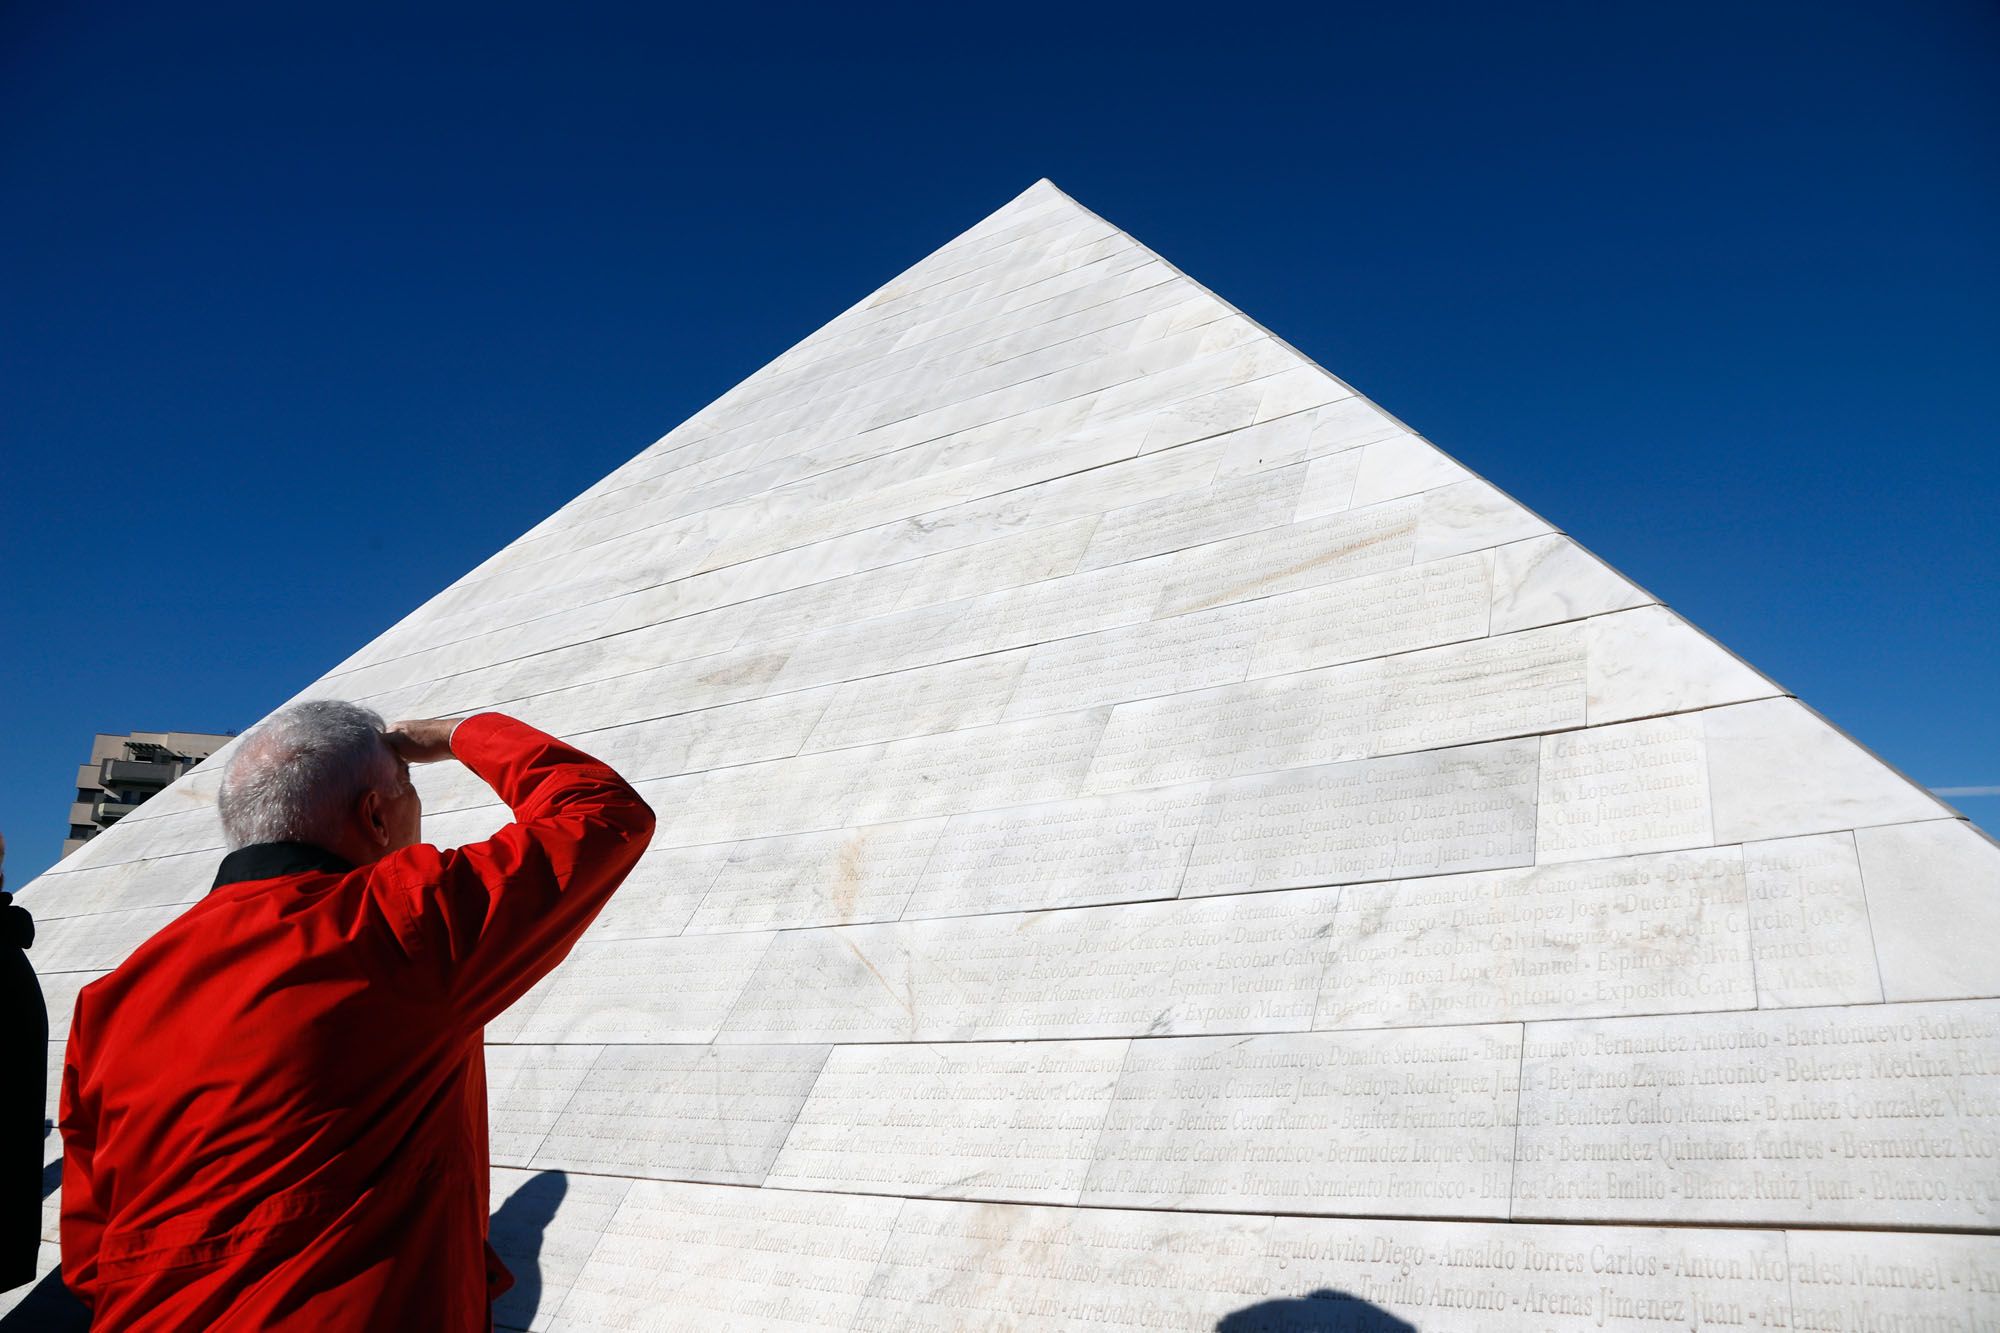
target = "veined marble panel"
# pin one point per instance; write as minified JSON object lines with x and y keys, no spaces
{"x":1447,"y":1277}
{"x":1404,"y":609}
{"x":1203,"y":417}
{"x":1809,"y":928}
{"x":122,"y":886}
{"x":1547,"y":580}
{"x":1617,"y":790}
{"x":1258,"y":726}
{"x":527,"y":1090}
{"x":1004,"y":562}
{"x":1934,"y":904}
{"x":832,"y":877}
{"x":706,"y":1113}
{"x":984,"y":768}
{"x":1471,"y":808}
{"x":951,"y":1266}
{"x":1416,"y":1121}
{"x":1009,"y":1121}
{"x":96,"y":943}
{"x":951,"y":696}
{"x":1230,"y":508}
{"x":741,"y":733}
{"x":1649,"y":661}
{"x":1887,"y":1115}
{"x":1248,"y":963}
{"x":1272,"y":444}
{"x":1299,"y":555}
{"x":1632,"y":935}
{"x":1511,"y":685}
{"x":1776,"y":769}
{"x":59,"y":992}
{"x":643,"y":991}
{"x":695,"y":1258}
{"x":682,"y":687}
{"x":1402,"y":465}
{"x":1068,"y":854}
{"x":1329,"y":487}
{"x":662,"y":894}
{"x":1470,"y":516}
{"x":1141,"y":661}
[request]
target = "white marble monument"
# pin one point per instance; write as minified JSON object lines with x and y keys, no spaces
{"x":1146,"y":838}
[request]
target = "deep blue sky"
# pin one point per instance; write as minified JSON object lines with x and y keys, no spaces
{"x":304,"y":310}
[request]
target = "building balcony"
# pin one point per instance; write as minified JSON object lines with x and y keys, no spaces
{"x":109,"y":810}
{"x":128,"y":774}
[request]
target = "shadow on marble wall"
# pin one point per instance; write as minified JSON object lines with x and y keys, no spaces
{"x":1321,"y":1311}
{"x":517,"y":1232}
{"x":49,"y":1308}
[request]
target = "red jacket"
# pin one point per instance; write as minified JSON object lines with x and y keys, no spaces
{"x":274,"y":1112}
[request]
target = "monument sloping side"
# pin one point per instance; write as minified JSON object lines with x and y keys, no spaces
{"x":1147,"y":838}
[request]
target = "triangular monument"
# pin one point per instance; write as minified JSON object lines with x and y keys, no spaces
{"x":1149,"y":842}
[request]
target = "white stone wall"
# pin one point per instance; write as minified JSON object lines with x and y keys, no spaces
{"x":1144,"y":838}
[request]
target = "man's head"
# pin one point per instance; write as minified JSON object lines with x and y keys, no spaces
{"x":320,"y":772}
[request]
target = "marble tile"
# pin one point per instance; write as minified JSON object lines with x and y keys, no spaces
{"x":1230,"y":508}
{"x":545,"y":1226}
{"x":1810,"y":936}
{"x":1470,"y":516}
{"x":1880,"y":1115}
{"x":951,"y":1266}
{"x":1776,"y":768}
{"x":1329,"y":488}
{"x":1877,"y":1280}
{"x":1649,"y":661}
{"x":1069,"y":854}
{"x":1934,"y":904}
{"x":701,"y":1113}
{"x":972,"y":692}
{"x":1001,"y":1121}
{"x":1550,"y":579}
{"x":1394,"y":612}
{"x":1468,"y":1277}
{"x":1471,"y":808}
{"x":1246,"y":963}
{"x":1141,"y":661}
{"x":164,"y":881}
{"x":1630,"y":935}
{"x":640,"y":991}
{"x":1284,"y":442}
{"x":95,"y":943}
{"x":1633,"y":787}
{"x":701,"y":1257}
{"x":527,"y":1090}
{"x":1300,"y":555}
{"x":1418,"y":1121}
{"x":832,"y":877}
{"x":1402,"y":465}
{"x":662,"y":893}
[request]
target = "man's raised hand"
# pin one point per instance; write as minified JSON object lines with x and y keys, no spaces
{"x":421,"y":741}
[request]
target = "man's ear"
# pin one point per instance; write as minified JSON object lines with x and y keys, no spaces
{"x":374,"y":816}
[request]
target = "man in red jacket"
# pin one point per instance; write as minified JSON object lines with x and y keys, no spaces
{"x":274,"y":1112}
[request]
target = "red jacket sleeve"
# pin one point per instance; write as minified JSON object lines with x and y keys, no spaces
{"x":82,"y":1217}
{"x":484,"y":922}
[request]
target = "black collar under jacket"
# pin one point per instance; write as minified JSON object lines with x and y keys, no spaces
{"x":268,"y":860}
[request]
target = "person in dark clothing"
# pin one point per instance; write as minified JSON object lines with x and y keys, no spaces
{"x":25,"y":1057}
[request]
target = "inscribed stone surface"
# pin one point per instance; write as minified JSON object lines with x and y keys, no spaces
{"x":1889,"y":1113}
{"x":1102,"y":759}
{"x":1410,"y":1122}
{"x":962,"y":1121}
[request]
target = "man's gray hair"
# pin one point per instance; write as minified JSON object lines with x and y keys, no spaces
{"x":297,"y":775}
